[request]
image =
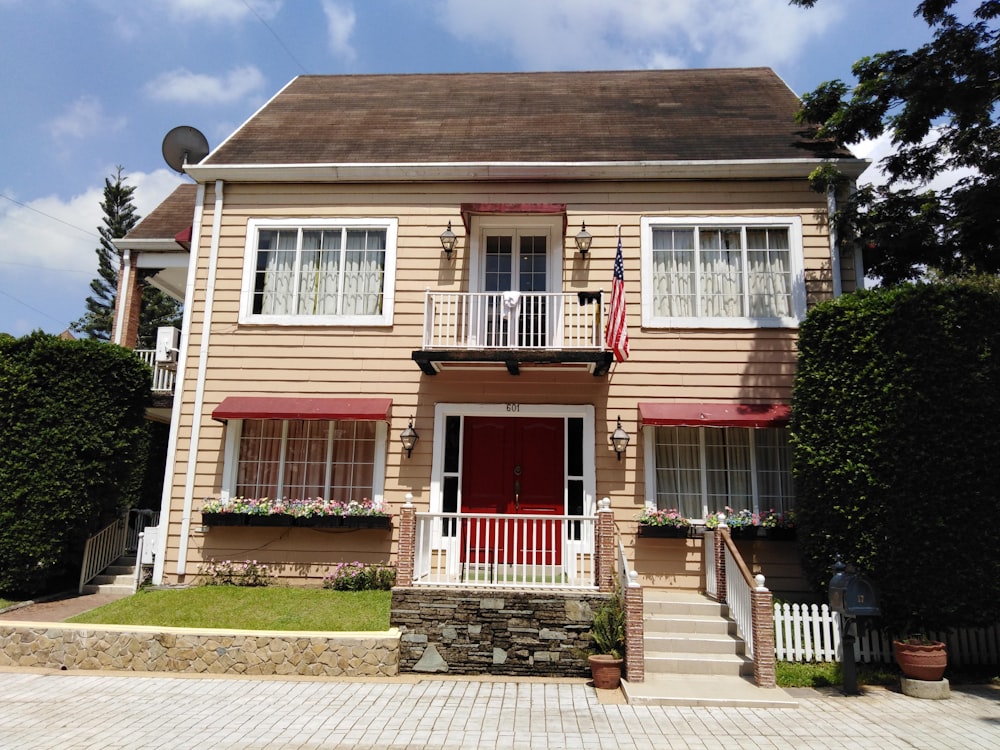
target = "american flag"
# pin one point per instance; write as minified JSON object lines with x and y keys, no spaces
{"x":616,"y":333}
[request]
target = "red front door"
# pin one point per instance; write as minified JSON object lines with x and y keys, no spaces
{"x":514,"y":466}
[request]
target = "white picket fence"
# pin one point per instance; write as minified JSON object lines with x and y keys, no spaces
{"x":811,"y":632}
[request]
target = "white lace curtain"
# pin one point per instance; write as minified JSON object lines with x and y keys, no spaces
{"x":732,"y":456}
{"x":712,"y":281}
{"x":334,"y":272}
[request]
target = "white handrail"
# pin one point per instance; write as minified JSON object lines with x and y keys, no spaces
{"x":498,"y":550}
{"x":738,"y":599}
{"x":102,"y":549}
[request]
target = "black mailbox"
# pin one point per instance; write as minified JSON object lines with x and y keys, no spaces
{"x":853,"y":595}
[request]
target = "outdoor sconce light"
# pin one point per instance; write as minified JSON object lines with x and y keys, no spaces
{"x":408,"y":438}
{"x":448,"y":240}
{"x":619,"y":439}
{"x":583,"y":239}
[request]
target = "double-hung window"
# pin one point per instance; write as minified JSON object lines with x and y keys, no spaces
{"x":319,"y":272}
{"x":722,"y":272}
{"x":703,"y":470}
{"x":339,"y":459}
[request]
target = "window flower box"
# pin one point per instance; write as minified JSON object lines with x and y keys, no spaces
{"x":223,"y":519}
{"x":310,"y":513}
{"x":665,"y":524}
{"x":664,"y":532}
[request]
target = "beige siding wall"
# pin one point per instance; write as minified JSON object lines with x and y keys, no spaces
{"x":700,"y":365}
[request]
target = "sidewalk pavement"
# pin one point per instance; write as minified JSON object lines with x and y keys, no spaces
{"x":40,"y":710}
{"x":58,"y":608}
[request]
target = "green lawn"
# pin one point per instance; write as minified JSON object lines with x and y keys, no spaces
{"x":264,"y":608}
{"x":4,"y":603}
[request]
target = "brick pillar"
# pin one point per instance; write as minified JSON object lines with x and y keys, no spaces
{"x":405,"y":555}
{"x":129,"y":298}
{"x":605,"y":543}
{"x":762,"y":612}
{"x":721,"y":534}
{"x":635,"y":650}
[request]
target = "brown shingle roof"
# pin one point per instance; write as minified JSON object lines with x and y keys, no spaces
{"x":651,"y":115}
{"x":174,"y":215}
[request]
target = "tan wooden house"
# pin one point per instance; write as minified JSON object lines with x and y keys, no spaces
{"x":324,"y":318}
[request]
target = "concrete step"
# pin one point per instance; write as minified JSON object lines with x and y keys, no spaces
{"x":684,"y":663}
{"x":682,"y":603}
{"x":108,"y":588}
{"x":104,"y":579}
{"x":690,"y":624}
{"x":694,"y":644}
{"x":699,"y":690}
{"x":119,"y":570}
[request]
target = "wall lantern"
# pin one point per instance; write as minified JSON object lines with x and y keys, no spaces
{"x":583,"y":239}
{"x":448,"y":241}
{"x":408,"y":438}
{"x":619,"y":439}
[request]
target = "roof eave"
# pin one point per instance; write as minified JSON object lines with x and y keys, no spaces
{"x":528,"y":171}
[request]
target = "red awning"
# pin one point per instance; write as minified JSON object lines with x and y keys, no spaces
{"x":183,"y":238}
{"x":293,"y":407}
{"x":471,"y":209}
{"x":692,"y":414}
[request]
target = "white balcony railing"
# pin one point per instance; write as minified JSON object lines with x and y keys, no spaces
{"x":514,"y":320}
{"x":493,"y":550}
{"x":163,"y":376}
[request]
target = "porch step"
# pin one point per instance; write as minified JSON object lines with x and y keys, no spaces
{"x":704,"y":690}
{"x":116,"y":579}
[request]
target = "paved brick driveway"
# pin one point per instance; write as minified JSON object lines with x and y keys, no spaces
{"x":91,"y":711}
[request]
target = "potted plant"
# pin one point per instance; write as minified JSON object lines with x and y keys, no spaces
{"x":743,"y":524}
{"x":608,"y":634}
{"x":920,"y":658}
{"x":663,"y":523}
{"x":779,"y":526}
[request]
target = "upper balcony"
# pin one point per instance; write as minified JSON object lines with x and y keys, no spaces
{"x":466,"y":329}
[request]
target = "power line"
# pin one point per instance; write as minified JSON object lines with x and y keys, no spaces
{"x":32,"y":307}
{"x":87,"y":232}
{"x":275,"y":35}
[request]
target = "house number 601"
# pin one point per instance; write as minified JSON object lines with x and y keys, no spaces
{"x":513,"y":407}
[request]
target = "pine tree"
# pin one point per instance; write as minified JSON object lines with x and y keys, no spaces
{"x":157,"y":309}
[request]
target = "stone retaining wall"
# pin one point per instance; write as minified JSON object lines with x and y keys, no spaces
{"x":500,"y":632}
{"x":147,"y":649}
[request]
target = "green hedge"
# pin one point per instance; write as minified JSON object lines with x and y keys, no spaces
{"x":74,"y":439}
{"x":896,"y":438}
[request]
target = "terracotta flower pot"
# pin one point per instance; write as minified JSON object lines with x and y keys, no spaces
{"x":606,"y":671}
{"x":921,"y":661}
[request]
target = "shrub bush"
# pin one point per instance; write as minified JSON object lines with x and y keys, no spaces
{"x":230,"y":573}
{"x":896,"y":432}
{"x":357,"y":576}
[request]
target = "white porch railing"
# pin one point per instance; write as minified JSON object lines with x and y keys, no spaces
{"x":138,"y":520}
{"x":103,"y":548}
{"x":514,"y":320}
{"x":738,"y":599}
{"x":163,"y":377}
{"x":513,"y":551}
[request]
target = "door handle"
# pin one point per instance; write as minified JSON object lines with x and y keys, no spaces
{"x":517,"y":494}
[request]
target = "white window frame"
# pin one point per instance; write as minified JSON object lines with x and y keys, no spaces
{"x":517,"y":224}
{"x":231,"y":453}
{"x":254,"y":226}
{"x":650,"y":473}
{"x":794,"y":225}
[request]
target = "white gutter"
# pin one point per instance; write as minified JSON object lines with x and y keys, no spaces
{"x":199,"y":393}
{"x":175,"y":416}
{"x":123,"y":282}
{"x":831,"y":209}
{"x":464,"y":171}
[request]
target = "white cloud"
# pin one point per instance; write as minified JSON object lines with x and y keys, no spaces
{"x":601,"y":34}
{"x":221,"y":10}
{"x":47,"y":245}
{"x":183,"y":86}
{"x":340,"y":22}
{"x":83,"y":118}
{"x":877,"y":149}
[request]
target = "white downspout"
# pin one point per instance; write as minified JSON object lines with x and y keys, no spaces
{"x":199,"y":394}
{"x":175,"y":413}
{"x":831,"y":209}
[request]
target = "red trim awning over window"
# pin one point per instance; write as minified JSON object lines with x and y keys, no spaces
{"x":472,"y":209}
{"x":693,"y":414}
{"x":293,"y":407}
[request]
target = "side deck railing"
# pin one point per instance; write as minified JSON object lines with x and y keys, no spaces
{"x":514,"y":320}
{"x":101,"y":549}
{"x":164,"y":377}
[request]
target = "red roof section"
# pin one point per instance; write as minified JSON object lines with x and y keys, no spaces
{"x":696,"y":414}
{"x":302,"y":407}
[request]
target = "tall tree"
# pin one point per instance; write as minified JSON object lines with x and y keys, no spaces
{"x":119,"y":218}
{"x":157,"y":309}
{"x":939,"y":104}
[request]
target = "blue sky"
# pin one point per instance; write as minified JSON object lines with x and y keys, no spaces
{"x":90,"y":84}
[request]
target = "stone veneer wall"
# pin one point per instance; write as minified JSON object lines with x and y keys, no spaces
{"x":500,"y":632}
{"x":147,"y":649}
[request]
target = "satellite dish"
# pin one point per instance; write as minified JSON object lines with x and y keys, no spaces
{"x":184,"y":145}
